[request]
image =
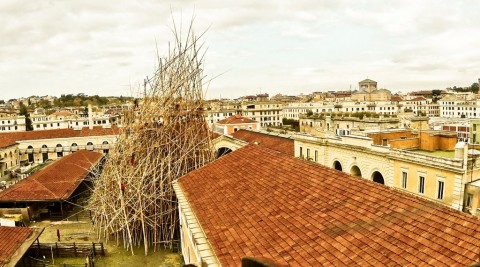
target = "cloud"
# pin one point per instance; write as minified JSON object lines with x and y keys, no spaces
{"x":272,"y":44}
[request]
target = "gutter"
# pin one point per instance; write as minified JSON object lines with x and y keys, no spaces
{"x":203,"y":248}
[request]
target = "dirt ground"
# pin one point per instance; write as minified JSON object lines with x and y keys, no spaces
{"x":72,"y":231}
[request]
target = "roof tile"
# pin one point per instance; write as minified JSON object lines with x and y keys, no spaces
{"x":9,"y":139}
{"x":56,"y":181}
{"x":11,"y":239}
{"x":300,"y":213}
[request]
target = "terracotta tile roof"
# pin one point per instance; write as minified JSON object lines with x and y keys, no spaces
{"x":257,"y":202}
{"x":9,"y":139}
{"x":396,"y":99}
{"x":278,"y":143}
{"x":62,"y":113}
{"x":420,"y":98}
{"x":56,"y":181}
{"x":236,"y":119}
{"x":11,"y":240}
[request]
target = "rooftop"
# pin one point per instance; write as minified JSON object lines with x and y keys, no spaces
{"x":282,"y":144}
{"x":257,"y":202}
{"x":55,"y":182}
{"x":368,"y":81}
{"x":236,"y":119}
{"x":9,"y":139}
{"x":15,"y":242}
{"x":420,"y":98}
{"x":438,"y":153}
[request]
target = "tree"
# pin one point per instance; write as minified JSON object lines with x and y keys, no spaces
{"x":44,"y":104}
{"x":474,"y":88}
{"x":436,"y":95}
{"x":28,"y":121}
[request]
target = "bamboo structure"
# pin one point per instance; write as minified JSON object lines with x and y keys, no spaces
{"x":165,"y":136}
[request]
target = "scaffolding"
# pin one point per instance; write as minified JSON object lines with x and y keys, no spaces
{"x":164,"y":137}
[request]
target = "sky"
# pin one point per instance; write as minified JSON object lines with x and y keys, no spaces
{"x":107,"y":47}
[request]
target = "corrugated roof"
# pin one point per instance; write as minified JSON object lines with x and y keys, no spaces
{"x":9,"y":139}
{"x":261,"y":203}
{"x":56,"y":181}
{"x":282,"y":144}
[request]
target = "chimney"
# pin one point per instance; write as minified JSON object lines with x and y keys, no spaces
{"x":90,"y":117}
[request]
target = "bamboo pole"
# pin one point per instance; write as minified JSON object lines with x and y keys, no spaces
{"x":164,"y":138}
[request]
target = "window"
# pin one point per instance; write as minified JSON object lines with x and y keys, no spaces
{"x":308,"y":153}
{"x":468,"y":203}
{"x":421,"y":184}
{"x":404,"y":180}
{"x":440,"y":186}
{"x":301,"y":152}
{"x":316,"y":155}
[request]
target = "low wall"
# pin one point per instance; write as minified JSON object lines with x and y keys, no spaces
{"x":25,"y":212}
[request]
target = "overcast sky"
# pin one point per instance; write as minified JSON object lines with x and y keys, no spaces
{"x":289,"y":47}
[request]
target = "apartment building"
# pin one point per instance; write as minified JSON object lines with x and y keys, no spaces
{"x":295,"y":109}
{"x":233,"y":124}
{"x":73,"y":119}
{"x":428,"y":164}
{"x":345,"y":125}
{"x":418,"y":105}
{"x":11,"y":122}
{"x":267,"y":113}
{"x":29,"y":147}
{"x":452,"y":106}
{"x":221,"y":110}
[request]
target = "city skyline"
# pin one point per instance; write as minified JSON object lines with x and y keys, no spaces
{"x":108,"y":48}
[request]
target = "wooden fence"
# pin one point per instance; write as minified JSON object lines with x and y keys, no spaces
{"x":67,"y":250}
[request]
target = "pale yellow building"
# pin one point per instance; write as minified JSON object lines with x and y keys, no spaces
{"x":368,"y":91}
{"x":25,"y":148}
{"x":430,"y":167}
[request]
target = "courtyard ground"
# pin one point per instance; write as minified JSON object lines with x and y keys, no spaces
{"x":82,"y":232}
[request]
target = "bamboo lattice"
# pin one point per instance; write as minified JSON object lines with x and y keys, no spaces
{"x":164,"y":137}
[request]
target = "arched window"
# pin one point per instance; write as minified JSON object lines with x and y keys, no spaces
{"x":89,"y":146}
{"x":377,"y":177}
{"x":223,"y":151}
{"x":355,"y":171}
{"x":105,"y":144}
{"x":74,"y":147}
{"x":30,"y":154}
{"x":337,"y":165}
{"x":44,"y":153}
{"x":59,"y":150}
